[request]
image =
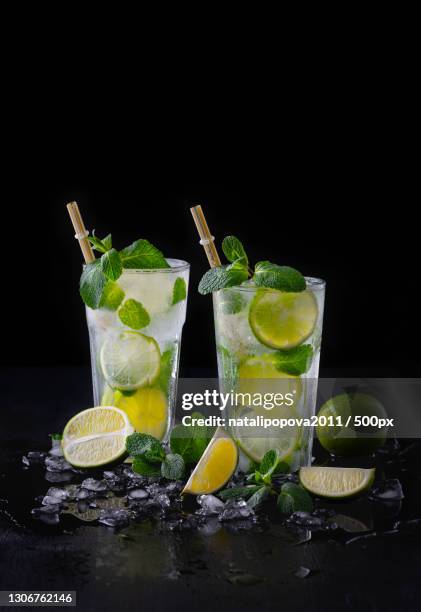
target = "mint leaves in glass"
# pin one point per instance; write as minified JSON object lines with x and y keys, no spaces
{"x":268,"y":326}
{"x":136,"y":307}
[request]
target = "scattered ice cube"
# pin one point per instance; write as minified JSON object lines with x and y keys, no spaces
{"x":99,"y":486}
{"x":25,"y":461}
{"x":56,"y":495}
{"x":59,"y":477}
{"x":162,"y":500}
{"x":311,"y":521}
{"x":57,"y":464}
{"x":302,"y":572}
{"x":210,"y":505}
{"x":138,"y":494}
{"x":47,"y":514}
{"x":115,"y":518}
{"x":387,"y":490}
{"x":210,"y":526}
{"x":235,"y":509}
{"x":36,"y":456}
{"x":56,"y":449}
{"x":84,"y":494}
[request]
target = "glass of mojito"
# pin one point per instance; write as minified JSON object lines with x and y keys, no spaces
{"x":268,"y":342}
{"x":135,"y":321}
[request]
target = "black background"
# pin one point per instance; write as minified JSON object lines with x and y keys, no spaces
{"x":333,"y":213}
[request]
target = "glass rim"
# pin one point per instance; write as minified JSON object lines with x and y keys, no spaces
{"x":312,"y":283}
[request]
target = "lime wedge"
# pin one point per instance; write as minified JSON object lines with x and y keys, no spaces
{"x":336,"y":482}
{"x":96,"y":436}
{"x":216,"y":466}
{"x":283,"y":320}
{"x":147,"y":409}
{"x":130,"y":360}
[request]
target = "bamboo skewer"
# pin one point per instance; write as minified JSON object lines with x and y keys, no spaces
{"x":206,"y":238}
{"x":81,"y":233}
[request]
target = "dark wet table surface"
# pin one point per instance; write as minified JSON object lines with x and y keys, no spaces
{"x":371,"y":561}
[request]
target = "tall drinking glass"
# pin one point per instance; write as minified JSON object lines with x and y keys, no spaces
{"x":135,"y":345}
{"x":268,"y":344}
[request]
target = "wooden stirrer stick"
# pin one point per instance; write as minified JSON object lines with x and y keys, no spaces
{"x":81,"y":234}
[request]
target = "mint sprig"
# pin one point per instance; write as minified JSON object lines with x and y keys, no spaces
{"x":103,"y":245}
{"x":92,"y":284}
{"x":266,"y":274}
{"x":150,"y":458}
{"x":294,"y":361}
{"x":142,"y":254}
{"x":294,"y":498}
{"x":133,"y":314}
{"x":190,"y":442}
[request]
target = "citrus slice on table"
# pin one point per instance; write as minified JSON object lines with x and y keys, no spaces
{"x":147,"y":409}
{"x":216,"y":466}
{"x":282,"y":320}
{"x":336,"y":482}
{"x":130,"y":360}
{"x":96,"y":436}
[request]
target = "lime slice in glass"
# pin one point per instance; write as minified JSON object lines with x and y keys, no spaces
{"x":96,"y":436}
{"x":336,"y":482}
{"x":130,"y":360}
{"x":282,"y":320}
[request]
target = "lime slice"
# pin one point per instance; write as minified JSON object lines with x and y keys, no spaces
{"x":130,"y":360}
{"x":283,"y":320}
{"x":216,"y":466}
{"x":147,"y":409}
{"x":96,"y":436}
{"x":254,"y":371}
{"x":336,"y":482}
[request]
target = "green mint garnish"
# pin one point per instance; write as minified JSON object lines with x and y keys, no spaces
{"x":238,"y":492}
{"x":143,"y":467}
{"x":258,"y":497}
{"x":295,"y":361}
{"x":284,"y":278}
{"x":179,"y":292}
{"x":112,"y":296}
{"x":232,"y":302}
{"x":190,"y":442}
{"x":56,"y":436}
{"x":111,"y":265}
{"x":92,"y":284}
{"x":223,"y":276}
{"x":142,"y":254}
{"x":165,"y":371}
{"x":103,"y":245}
{"x":268,"y":466}
{"x":140,"y":444}
{"x":133,"y":314}
{"x":173,"y":467}
{"x":294,"y":498}
{"x":233,"y":249}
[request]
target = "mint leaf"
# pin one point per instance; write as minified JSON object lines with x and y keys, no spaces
{"x":92,"y":284}
{"x":56,"y":436}
{"x":233,"y":249}
{"x":111,"y":265}
{"x":294,"y":498}
{"x":140,"y":444}
{"x":112,"y":296}
{"x":284,"y":278}
{"x":294,"y":361}
{"x":179,"y":292}
{"x":165,"y":371}
{"x":107,"y":242}
{"x":173,"y":467}
{"x":133,"y":314}
{"x":268,"y":465}
{"x":232,"y":301}
{"x":237,"y":492}
{"x":258,"y":497}
{"x":142,"y":254}
{"x":143,"y":467}
{"x":97,"y":244}
{"x":190,"y":442}
{"x":223,"y":276}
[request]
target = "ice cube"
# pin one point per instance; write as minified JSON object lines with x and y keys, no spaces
{"x":302,"y":572}
{"x":25,"y":461}
{"x":210,"y":505}
{"x":236,"y":509}
{"x":56,"y":449}
{"x":313,"y":521}
{"x":153,"y":291}
{"x":115,"y":518}
{"x":98,"y":486}
{"x":47,"y":514}
{"x":210,"y":526}
{"x":57,"y":464}
{"x":162,"y":500}
{"x":36,"y":456}
{"x":56,"y":495}
{"x":387,"y":490}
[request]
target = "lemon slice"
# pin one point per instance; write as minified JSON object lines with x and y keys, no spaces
{"x":216,"y":466}
{"x":96,"y":436}
{"x":336,"y":482}
{"x":130,"y":360}
{"x":283,"y":320}
{"x":147,"y":409}
{"x":254,"y":372}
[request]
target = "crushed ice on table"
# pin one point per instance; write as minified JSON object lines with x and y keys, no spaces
{"x":57,"y":495}
{"x":47,"y":514}
{"x":57,"y":464}
{"x":56,"y":449}
{"x":210,"y":505}
{"x":137,"y":494}
{"x":318,"y":520}
{"x":387,"y":490}
{"x":236,"y":509}
{"x":99,"y":486}
{"x":119,"y":517}
{"x":34,"y":457}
